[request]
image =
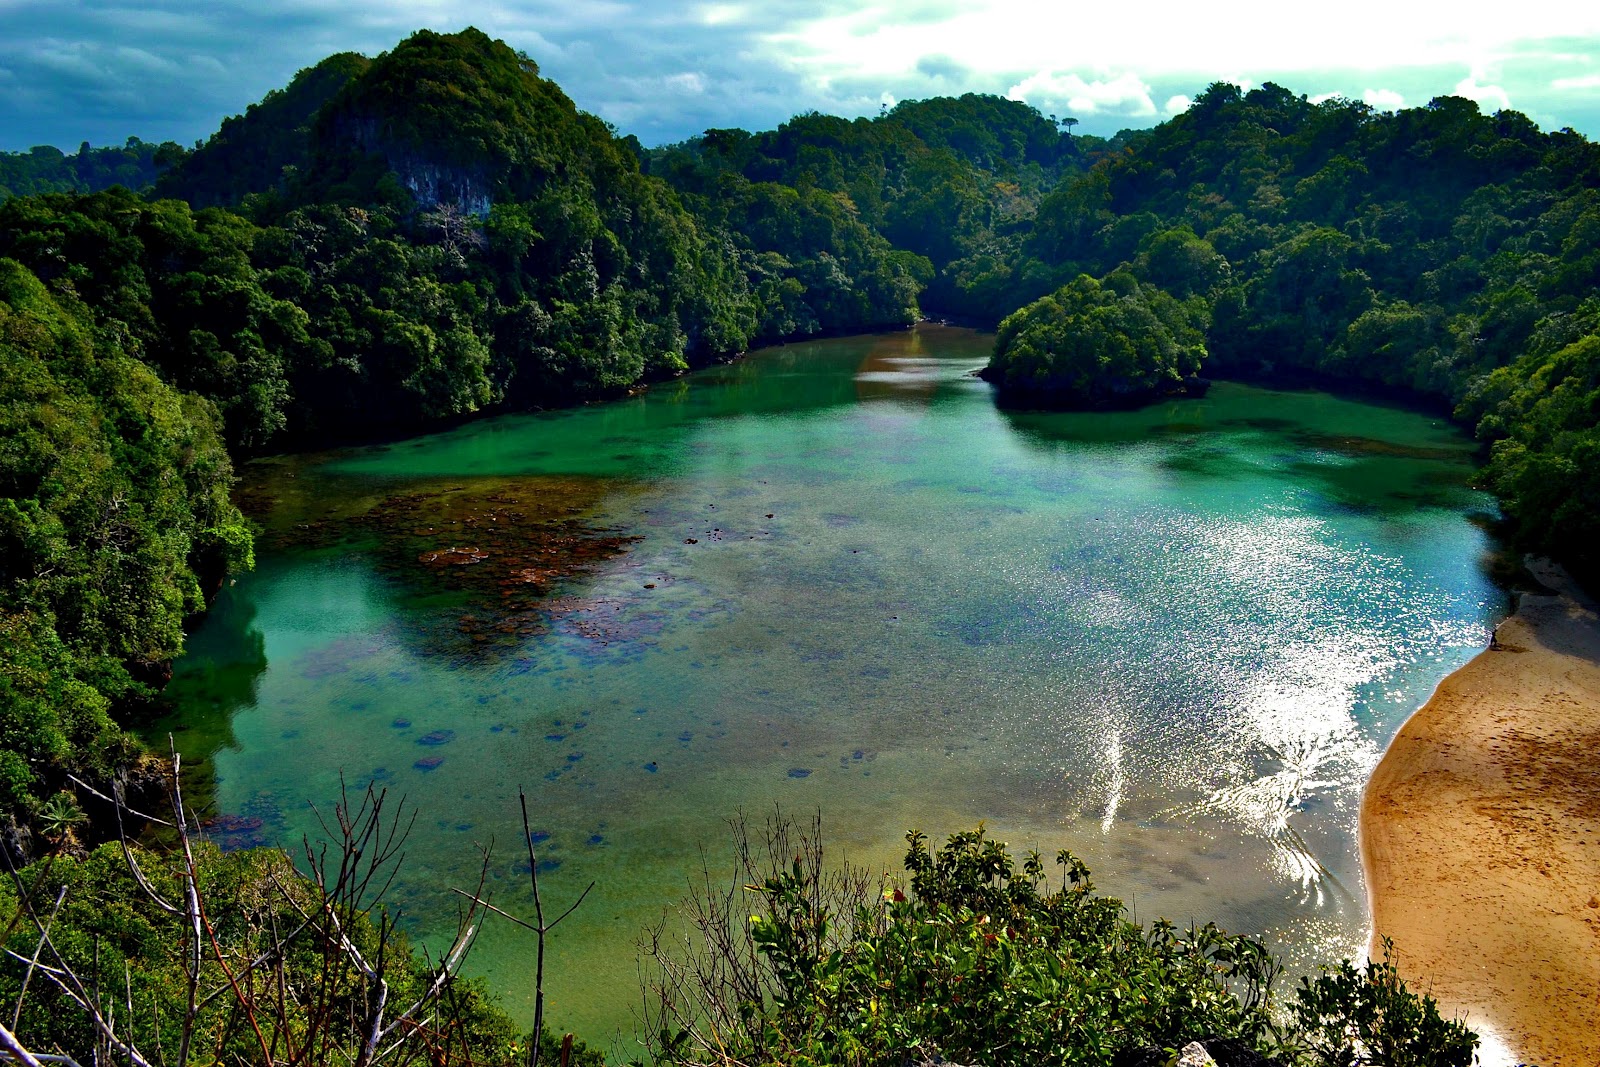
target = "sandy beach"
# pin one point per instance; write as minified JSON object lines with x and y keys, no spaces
{"x":1480,"y":832}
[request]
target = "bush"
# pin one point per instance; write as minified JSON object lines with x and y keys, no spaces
{"x":1351,"y":1015}
{"x":983,"y":962}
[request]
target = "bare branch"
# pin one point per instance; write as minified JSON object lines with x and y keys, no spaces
{"x":14,"y":1049}
{"x":570,"y":910}
{"x":541,"y":931}
{"x":16,"y":1016}
{"x":119,"y":805}
{"x":490,"y":907}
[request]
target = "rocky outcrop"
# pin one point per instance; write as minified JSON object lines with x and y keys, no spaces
{"x":1206,"y":1052}
{"x":434,"y":185}
{"x":432,"y":182}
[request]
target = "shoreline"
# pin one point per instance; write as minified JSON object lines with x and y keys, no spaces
{"x":1480,"y":836}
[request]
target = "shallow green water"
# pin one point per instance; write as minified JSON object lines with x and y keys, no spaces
{"x":1174,"y":641}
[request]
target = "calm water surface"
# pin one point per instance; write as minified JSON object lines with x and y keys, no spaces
{"x":834,"y":576}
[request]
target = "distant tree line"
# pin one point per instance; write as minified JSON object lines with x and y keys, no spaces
{"x":47,"y":169}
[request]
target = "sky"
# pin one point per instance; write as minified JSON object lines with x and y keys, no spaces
{"x":664,"y":70}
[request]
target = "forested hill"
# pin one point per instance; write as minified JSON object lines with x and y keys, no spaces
{"x":388,"y":244}
{"x":1438,"y":251}
{"x":934,"y":177}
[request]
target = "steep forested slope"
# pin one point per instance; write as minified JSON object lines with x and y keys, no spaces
{"x":410,"y":239}
{"x":114,"y":516}
{"x":258,"y":153}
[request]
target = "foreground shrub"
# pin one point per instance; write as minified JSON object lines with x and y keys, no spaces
{"x":983,"y":962}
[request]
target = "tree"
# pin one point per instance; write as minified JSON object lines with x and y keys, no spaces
{"x":1095,"y":344}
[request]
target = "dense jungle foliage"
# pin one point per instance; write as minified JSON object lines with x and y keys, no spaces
{"x":114,"y":517}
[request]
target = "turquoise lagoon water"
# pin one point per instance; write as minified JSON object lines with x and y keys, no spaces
{"x":837,"y":578}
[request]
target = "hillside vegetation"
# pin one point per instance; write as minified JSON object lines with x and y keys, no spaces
{"x":114,"y":518}
{"x":1439,"y":252}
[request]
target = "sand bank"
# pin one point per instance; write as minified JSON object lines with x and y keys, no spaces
{"x":1480,"y":831}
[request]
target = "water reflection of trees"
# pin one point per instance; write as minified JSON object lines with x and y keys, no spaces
{"x":219,"y":676}
{"x":1348,"y":472}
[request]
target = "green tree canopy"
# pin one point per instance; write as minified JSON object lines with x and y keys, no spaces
{"x":1096,"y":344}
{"x":114,"y":517}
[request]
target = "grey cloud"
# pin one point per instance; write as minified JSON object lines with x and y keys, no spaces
{"x":940,"y":67}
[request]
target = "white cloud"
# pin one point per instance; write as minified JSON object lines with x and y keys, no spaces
{"x":1247,"y":37}
{"x":1177,"y":105}
{"x":721,"y":14}
{"x":1384,"y":99}
{"x":1492,"y":97}
{"x":1585,"y":81}
{"x":1125,"y":94}
{"x":687,"y":82}
{"x":1323,"y":98}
